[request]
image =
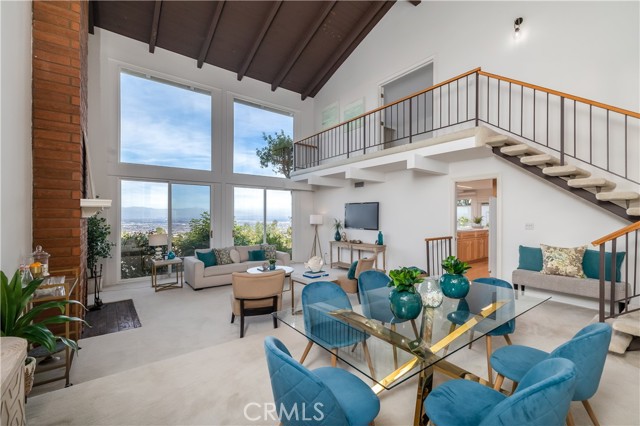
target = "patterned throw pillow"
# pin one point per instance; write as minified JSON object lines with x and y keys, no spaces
{"x":223,"y":256}
{"x":269,"y":250}
{"x":563,"y":261}
{"x":234,"y":255}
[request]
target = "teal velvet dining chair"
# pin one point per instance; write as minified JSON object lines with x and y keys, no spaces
{"x":587,"y":349}
{"x":318,"y":299}
{"x":542,"y":399}
{"x":462,"y":315}
{"x":324,"y":396}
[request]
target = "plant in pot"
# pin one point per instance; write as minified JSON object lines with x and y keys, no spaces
{"x":405,"y":301}
{"x":337,"y":225}
{"x":453,"y":282}
{"x":20,"y":320}
{"x":477,"y":222}
{"x":272,"y":264}
{"x":98,"y":247}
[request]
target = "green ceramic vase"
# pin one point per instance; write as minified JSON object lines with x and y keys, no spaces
{"x":454,"y":286}
{"x":404,"y":304}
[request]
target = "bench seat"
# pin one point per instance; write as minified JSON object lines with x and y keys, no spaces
{"x":585,"y":287}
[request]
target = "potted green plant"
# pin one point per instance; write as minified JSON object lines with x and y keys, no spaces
{"x":98,"y":248}
{"x":405,"y":301}
{"x":453,"y":282}
{"x":20,"y":320}
{"x":477,"y":222}
{"x":272,"y":264}
{"x":337,"y":225}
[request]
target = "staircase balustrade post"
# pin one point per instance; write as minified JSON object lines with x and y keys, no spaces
{"x":410,"y":120}
{"x":348,"y":137}
{"x":477,"y":99}
{"x":561,"y":131}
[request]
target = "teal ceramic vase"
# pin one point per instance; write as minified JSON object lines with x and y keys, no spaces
{"x":404,"y":304}
{"x":454,"y":286}
{"x":337,"y":235}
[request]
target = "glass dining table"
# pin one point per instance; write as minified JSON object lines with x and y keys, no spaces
{"x":392,"y":352}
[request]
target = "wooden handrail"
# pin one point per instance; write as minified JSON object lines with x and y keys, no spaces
{"x":473,"y":71}
{"x":437,"y":238}
{"x":562,"y":94}
{"x":616,"y":234}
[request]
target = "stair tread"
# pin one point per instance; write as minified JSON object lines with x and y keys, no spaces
{"x":539,"y":159}
{"x":591,"y":182}
{"x":567,"y":170}
{"x":617,"y":196}
{"x":633,"y":211}
{"x":499,"y":140}
{"x":519,"y":149}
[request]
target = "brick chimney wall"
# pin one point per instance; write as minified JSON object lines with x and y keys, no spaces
{"x":59,"y":115}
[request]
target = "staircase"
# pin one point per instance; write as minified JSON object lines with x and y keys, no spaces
{"x":597,"y":190}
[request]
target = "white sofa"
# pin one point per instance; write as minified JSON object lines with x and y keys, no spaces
{"x":198,"y":277}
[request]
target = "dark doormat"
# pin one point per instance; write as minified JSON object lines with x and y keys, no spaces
{"x":113,"y":317}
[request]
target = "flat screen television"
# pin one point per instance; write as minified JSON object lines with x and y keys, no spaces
{"x":361,"y":216}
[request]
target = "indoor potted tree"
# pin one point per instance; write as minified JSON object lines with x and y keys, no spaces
{"x":98,"y":247}
{"x":453,"y":282}
{"x":405,"y":301}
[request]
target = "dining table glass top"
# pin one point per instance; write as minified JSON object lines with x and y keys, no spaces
{"x":396,"y":350}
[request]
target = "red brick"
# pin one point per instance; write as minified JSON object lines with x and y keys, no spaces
{"x":48,"y":183}
{"x":75,"y":100}
{"x":56,"y":223}
{"x":76,"y":195}
{"x":44,"y":203}
{"x":50,"y":18}
{"x":40,"y":84}
{"x":76,"y":63}
{"x":57,"y":126}
{"x":54,"y":29}
{"x":52,"y":194}
{"x":75,"y":6}
{"x":51,"y":96}
{"x":67,"y":70}
{"x":54,"y":164}
{"x":41,"y":55}
{"x":46,"y":114}
{"x":56,"y":78}
{"x":54,"y":39}
{"x":55,"y":48}
{"x":48,"y":233}
{"x":61,"y":8}
{"x":52,"y":135}
{"x":57,"y":106}
{"x":75,"y":26}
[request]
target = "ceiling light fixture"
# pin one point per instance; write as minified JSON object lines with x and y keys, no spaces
{"x":516,"y":28}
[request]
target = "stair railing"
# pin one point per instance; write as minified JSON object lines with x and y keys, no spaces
{"x":438,"y":249}
{"x":626,"y":237}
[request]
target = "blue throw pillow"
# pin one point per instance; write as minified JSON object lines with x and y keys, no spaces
{"x":207,"y":257}
{"x":352,"y":271}
{"x":530,"y":258}
{"x":257,"y":255}
{"x":591,"y":264}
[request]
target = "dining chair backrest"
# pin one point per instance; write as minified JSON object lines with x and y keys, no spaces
{"x":298,"y":392}
{"x":510,"y":326}
{"x":542,"y":398}
{"x":588,"y":351}
{"x":374,"y":295}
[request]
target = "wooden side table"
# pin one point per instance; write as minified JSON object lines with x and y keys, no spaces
{"x":155,"y":264}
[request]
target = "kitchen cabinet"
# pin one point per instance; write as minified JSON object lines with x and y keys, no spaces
{"x":473,"y":246}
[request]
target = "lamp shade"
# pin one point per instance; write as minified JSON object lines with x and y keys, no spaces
{"x":158,"y":240}
{"x":315,"y":219}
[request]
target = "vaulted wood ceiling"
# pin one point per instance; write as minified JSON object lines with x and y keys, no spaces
{"x":297,"y":45}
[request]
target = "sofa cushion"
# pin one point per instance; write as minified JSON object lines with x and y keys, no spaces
{"x":351,"y":273}
{"x":591,"y":264}
{"x":207,"y":257}
{"x":530,"y":258}
{"x":223,"y":256}
{"x":269,"y":250}
{"x":563,"y":261}
{"x":244,"y":251}
{"x":257,"y":255}
{"x":225,"y":269}
{"x":235,"y":256}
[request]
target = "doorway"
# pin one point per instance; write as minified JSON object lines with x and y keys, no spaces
{"x":476,"y":241}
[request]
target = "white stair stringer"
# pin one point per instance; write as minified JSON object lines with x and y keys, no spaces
{"x":592,"y":182}
{"x":519,"y":149}
{"x":565,"y":171}
{"x":540,"y":160}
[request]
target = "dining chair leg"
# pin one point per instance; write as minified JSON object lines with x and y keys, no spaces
{"x":590,"y":412}
{"x":415,"y":329}
{"x":570,"y":421}
{"x":489,"y":352}
{"x":498,"y":384}
{"x":354,"y":347}
{"x":471,"y":339}
{"x":514,"y":386}
{"x":334,"y":357}
{"x":365,"y":348}
{"x":233,"y":317}
{"x":306,"y":351}
{"x":508,"y":339}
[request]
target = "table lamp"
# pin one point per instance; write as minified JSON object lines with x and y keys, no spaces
{"x":158,"y":240}
{"x":315,"y":220}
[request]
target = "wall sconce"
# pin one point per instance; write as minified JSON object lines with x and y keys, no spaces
{"x":516,"y":28}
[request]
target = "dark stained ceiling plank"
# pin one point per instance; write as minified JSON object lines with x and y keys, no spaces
{"x":256,"y":44}
{"x":353,"y":35}
{"x":304,"y":41}
{"x":154,"y":26}
{"x":212,"y":29}
{"x":93,"y":13}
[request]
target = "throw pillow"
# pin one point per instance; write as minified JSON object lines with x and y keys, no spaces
{"x":563,"y":261}
{"x":223,"y":256}
{"x":591,"y":264}
{"x":235,"y":255}
{"x":269,"y":250}
{"x":257,"y":255}
{"x":530,"y":258}
{"x":351,"y":274}
{"x":207,"y":257}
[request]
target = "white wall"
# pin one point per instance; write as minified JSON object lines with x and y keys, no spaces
{"x":109,"y":51}
{"x":589,"y":49}
{"x":15,"y":133}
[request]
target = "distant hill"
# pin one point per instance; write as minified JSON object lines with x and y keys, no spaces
{"x":147,"y":213}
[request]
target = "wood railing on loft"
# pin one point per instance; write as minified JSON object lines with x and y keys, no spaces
{"x":595,"y":133}
{"x":626,"y":237}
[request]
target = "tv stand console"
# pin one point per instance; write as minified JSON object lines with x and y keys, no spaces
{"x":375,"y":249}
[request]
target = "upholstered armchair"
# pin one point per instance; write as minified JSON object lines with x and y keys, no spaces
{"x":350,"y":285}
{"x":256,"y":294}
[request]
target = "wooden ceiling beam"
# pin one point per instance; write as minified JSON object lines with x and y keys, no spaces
{"x":258,"y":41}
{"x":302,"y":44}
{"x":93,"y":14}
{"x":353,"y":35}
{"x":154,"y":26}
{"x":204,"y":50}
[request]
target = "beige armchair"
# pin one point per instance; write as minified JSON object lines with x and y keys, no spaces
{"x":351,"y":286}
{"x":256,"y":294}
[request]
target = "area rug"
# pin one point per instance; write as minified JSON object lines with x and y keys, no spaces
{"x":113,"y":317}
